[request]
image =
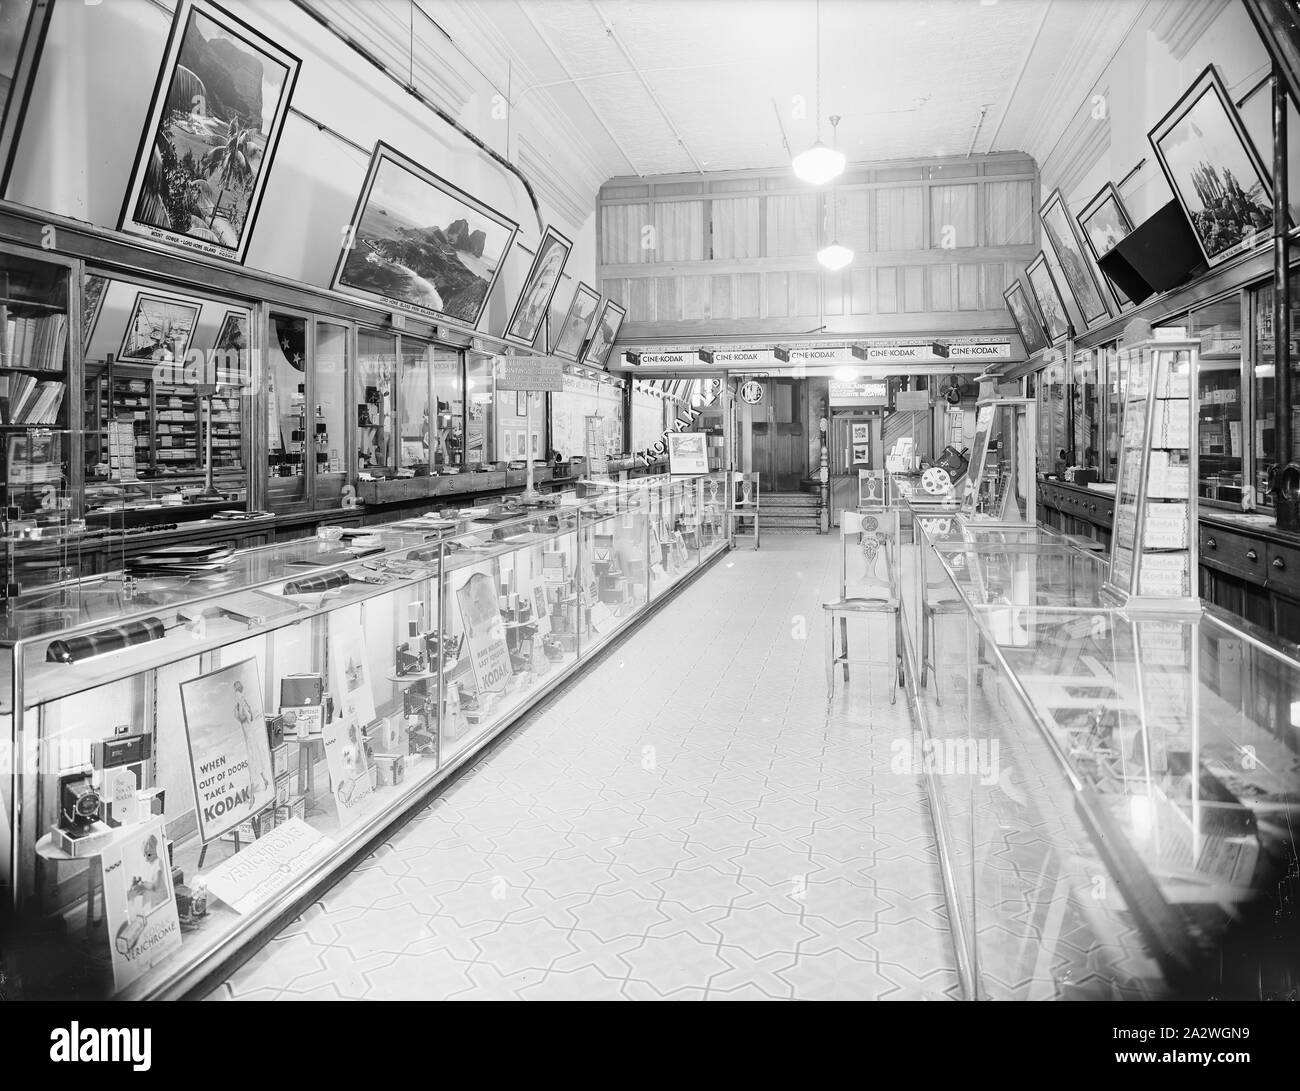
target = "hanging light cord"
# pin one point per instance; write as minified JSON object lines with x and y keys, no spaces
{"x":819,"y":69}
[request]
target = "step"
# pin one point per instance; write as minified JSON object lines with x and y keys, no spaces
{"x":790,"y":521}
{"x":789,"y":500}
{"x":790,"y":530}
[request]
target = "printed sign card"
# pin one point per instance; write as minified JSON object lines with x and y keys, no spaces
{"x":230,"y":756}
{"x":143,"y":927}
{"x":260,"y":870}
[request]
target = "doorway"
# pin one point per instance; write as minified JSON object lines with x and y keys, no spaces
{"x":780,"y":446}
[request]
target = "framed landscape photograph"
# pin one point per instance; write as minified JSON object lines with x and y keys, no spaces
{"x":93,"y":287}
{"x":1214,"y":170}
{"x":233,"y":336}
{"x":577,"y":323}
{"x":1022,"y":314}
{"x":1056,"y":320}
{"x":159,"y":329}
{"x":1104,"y":221}
{"x":605,"y":334}
{"x":23,"y":24}
{"x":1076,"y":266}
{"x":215,"y":119}
{"x":539,"y":286}
{"x":419,"y":243}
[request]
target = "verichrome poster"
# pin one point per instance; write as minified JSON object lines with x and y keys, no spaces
{"x":230,"y":757}
{"x":484,"y":632}
{"x":349,"y":673}
{"x":262,"y":869}
{"x":139,"y":902}
{"x":345,"y":754}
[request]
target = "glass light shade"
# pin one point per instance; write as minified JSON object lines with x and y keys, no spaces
{"x":835,"y":256}
{"x":846,"y":374}
{"x":819,"y":164}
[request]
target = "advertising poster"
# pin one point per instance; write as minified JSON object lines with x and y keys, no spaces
{"x":269,"y":865}
{"x":349,"y":675}
{"x":140,"y":904}
{"x":687,"y":453}
{"x":230,"y":757}
{"x":485,"y":634}
{"x":350,"y":777}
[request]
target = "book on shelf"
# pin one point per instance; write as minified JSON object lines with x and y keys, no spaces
{"x":36,"y":343}
{"x":26,"y":400}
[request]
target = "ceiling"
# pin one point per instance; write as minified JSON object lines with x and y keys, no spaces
{"x":674,"y":86}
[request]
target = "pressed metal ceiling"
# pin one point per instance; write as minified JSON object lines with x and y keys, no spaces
{"x":667,"y":86}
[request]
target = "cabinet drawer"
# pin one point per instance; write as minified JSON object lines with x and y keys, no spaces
{"x":1235,"y":553}
{"x":1283,"y":568}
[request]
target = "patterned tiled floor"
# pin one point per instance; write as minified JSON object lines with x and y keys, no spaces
{"x":690,"y":820}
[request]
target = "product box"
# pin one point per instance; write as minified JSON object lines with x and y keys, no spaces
{"x":282,"y":791}
{"x":280,"y":761}
{"x":275,"y":731}
{"x":302,"y":701}
{"x":391,"y":768}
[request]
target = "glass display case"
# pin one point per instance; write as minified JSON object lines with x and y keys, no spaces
{"x":1116,"y":794}
{"x":201,"y":740}
{"x":1154,"y":544}
{"x":1265,"y":384}
{"x":1001,"y":482}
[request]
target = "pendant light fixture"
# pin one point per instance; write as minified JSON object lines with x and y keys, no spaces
{"x":819,"y":164}
{"x":835,"y":256}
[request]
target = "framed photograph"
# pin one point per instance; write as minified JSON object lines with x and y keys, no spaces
{"x":420,"y":244}
{"x":23,"y":25}
{"x":232,"y":338}
{"x":521,"y":403}
{"x":230,"y":755}
{"x":1022,"y":314}
{"x":539,"y":286}
{"x":577,"y":323}
{"x":93,"y":288}
{"x":606,"y":333}
{"x":861,"y":432}
{"x":1214,"y":170}
{"x":159,"y":329}
{"x":1056,"y":319}
{"x":1076,"y":266}
{"x":218,"y":107}
{"x":861,"y":453}
{"x":1104,"y":221}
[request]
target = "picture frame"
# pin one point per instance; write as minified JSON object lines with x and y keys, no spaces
{"x":861,"y":432}
{"x":521,"y":403}
{"x":534,"y":302}
{"x":604,"y":335}
{"x":202,"y":127}
{"x":1077,"y":269}
{"x":400,"y":199}
{"x":1026,"y":321}
{"x":861,"y":454}
{"x":94,"y":287}
{"x":578,"y":320}
{"x":23,"y":27}
{"x":153,"y":325}
{"x":1104,"y":221}
{"x":1205,"y":153}
{"x":232,"y":336}
{"x":1047,"y":297}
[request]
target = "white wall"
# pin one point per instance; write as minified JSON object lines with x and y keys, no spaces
{"x":92,"y":94}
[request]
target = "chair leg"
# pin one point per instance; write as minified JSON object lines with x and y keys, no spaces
{"x":830,"y":653}
{"x":844,"y":644}
{"x":927,"y":619}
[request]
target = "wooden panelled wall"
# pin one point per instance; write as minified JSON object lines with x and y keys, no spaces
{"x":935,"y":244}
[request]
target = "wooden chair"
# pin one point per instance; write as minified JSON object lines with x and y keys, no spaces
{"x":873,"y":539}
{"x":875,"y":489}
{"x":743,"y":502}
{"x":714,"y":510}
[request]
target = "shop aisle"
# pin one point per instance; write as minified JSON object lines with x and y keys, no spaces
{"x":688,"y":821}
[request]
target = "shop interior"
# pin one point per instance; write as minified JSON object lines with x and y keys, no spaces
{"x":340,"y":453}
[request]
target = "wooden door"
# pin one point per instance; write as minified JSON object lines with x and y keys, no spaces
{"x":780,"y":448}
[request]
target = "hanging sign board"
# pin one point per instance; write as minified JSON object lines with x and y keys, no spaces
{"x":870,"y":392}
{"x":530,"y":373}
{"x":916,"y":401}
{"x":1000,"y":351}
{"x":742,"y":356}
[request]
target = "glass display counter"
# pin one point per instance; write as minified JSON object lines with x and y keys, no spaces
{"x":201,"y":741}
{"x":1118,"y":796}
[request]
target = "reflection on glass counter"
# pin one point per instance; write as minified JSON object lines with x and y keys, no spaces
{"x":230,"y":727}
{"x":1129,"y":825}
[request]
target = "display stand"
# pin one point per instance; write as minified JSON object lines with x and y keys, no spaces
{"x":1001,"y":487}
{"x":1153,"y":560}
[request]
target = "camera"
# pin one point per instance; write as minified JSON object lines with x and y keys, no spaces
{"x":409,"y":662}
{"x":80,"y":804}
{"x":191,"y":904}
